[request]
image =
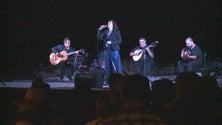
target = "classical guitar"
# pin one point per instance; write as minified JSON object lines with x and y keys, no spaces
{"x":185,"y":52}
{"x":140,"y":51}
{"x":56,"y":58}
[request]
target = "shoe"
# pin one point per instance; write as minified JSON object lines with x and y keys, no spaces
{"x":105,"y":84}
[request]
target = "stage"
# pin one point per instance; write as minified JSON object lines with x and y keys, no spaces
{"x":55,"y":83}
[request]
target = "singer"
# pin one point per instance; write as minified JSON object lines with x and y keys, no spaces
{"x":112,"y":39}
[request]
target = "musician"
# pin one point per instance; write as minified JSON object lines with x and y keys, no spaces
{"x":112,"y":39}
{"x":190,"y":56}
{"x":65,"y":66}
{"x":143,"y":57}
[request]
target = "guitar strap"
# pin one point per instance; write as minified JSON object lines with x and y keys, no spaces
{"x":144,"y":52}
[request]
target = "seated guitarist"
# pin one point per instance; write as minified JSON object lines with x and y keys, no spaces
{"x":143,"y":57}
{"x":64,"y":66}
{"x":191,"y":56}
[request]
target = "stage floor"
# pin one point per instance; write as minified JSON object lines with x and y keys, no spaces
{"x":66,"y":84}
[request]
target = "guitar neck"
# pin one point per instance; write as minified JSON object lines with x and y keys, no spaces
{"x":70,"y":53}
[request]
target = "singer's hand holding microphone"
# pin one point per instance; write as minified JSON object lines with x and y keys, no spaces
{"x":102,"y":27}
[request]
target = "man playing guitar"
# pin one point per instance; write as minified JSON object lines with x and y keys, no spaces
{"x":191,"y":56}
{"x":58,"y":57}
{"x":143,"y":57}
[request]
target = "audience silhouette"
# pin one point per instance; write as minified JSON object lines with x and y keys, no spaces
{"x":134,"y":109}
{"x":191,"y":100}
{"x":36,"y":107}
{"x":108,"y":101}
{"x":188,"y":107}
{"x":163,"y":91}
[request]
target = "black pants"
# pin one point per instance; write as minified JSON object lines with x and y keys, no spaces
{"x":143,"y":68}
{"x":188,"y":65}
{"x":66,"y":69}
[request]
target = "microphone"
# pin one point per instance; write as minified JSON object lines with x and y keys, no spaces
{"x":102,"y":27}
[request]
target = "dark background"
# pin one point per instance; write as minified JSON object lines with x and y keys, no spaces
{"x":30,"y":28}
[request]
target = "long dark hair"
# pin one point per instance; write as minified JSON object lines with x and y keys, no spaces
{"x":115,"y":26}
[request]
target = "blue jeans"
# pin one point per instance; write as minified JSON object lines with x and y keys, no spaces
{"x":112,"y":62}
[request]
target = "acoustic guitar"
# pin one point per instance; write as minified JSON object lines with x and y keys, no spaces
{"x":185,"y":52}
{"x":140,"y":51}
{"x":56,"y":58}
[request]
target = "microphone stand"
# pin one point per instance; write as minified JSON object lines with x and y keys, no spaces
{"x":114,"y":67}
{"x":74,"y":65}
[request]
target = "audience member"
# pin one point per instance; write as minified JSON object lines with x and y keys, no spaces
{"x":135,"y":96}
{"x":36,"y":108}
{"x":37,"y":97}
{"x":82,"y":105}
{"x":163,"y":91}
{"x":210,"y":101}
{"x":115,"y":82}
{"x":108,"y":101}
{"x":187,"y":108}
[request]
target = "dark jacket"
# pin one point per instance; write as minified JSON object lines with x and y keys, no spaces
{"x":115,"y":37}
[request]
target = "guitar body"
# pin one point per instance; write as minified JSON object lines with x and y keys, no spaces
{"x":55,"y":59}
{"x":139,"y":52}
{"x":185,"y":52}
{"x":137,"y":57}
